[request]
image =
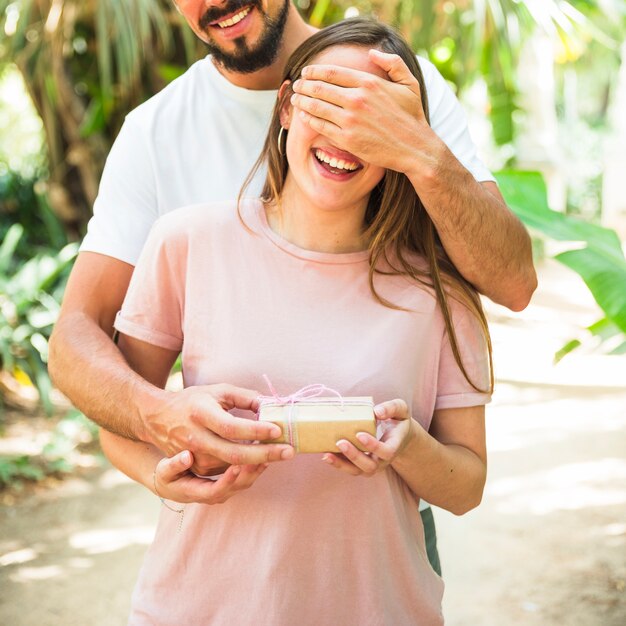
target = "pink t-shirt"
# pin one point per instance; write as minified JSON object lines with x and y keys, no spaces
{"x":306,"y":544}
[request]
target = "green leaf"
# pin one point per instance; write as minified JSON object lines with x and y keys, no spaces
{"x":605,"y":277}
{"x":621,"y":349}
{"x":94,"y":121}
{"x":7,"y":249}
{"x":566,"y":349}
{"x":320,"y":10}
{"x":526,"y":195}
{"x":169,"y":72}
{"x":604,"y":329}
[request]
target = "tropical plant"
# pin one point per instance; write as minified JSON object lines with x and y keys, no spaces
{"x":596,"y":254}
{"x":22,"y":203}
{"x":30,"y":296}
{"x":85,"y":65}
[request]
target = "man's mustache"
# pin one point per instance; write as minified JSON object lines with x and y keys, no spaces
{"x":213,"y":14}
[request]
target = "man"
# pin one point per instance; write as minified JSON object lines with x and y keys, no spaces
{"x":195,"y":142}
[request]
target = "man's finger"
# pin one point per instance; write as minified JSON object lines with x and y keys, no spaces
{"x":336,"y":75}
{"x":395,"y":67}
{"x":249,"y":454}
{"x":323,"y":127}
{"x":234,"y":428}
{"x":318,"y":108}
{"x":339,"y":96}
{"x":232,"y":397}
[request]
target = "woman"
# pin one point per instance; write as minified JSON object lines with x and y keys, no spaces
{"x":335,"y":276}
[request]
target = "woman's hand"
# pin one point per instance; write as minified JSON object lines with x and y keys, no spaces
{"x":399,"y":429}
{"x":173,"y":480}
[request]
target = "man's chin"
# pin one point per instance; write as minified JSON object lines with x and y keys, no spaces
{"x":245,"y":63}
{"x":251,"y":54}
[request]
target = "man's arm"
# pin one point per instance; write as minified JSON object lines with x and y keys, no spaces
{"x":170,"y":477}
{"x":485,"y":240}
{"x":87,"y":366}
{"x":84,"y":363}
{"x":383,"y":122}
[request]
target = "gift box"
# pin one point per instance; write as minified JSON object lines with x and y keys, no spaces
{"x":316,"y":424}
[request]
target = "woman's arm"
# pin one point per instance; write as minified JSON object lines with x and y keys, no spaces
{"x":170,"y":478}
{"x":136,"y":459}
{"x":447,"y":467}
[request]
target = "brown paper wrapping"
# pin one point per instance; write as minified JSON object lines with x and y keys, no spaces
{"x":317,"y":424}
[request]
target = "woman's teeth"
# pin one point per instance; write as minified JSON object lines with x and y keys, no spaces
{"x":339,"y":164}
{"x":235,"y":18}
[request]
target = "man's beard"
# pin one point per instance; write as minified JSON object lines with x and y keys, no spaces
{"x":246,"y":59}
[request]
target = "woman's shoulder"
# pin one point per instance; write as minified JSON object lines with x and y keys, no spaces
{"x":204,"y":220}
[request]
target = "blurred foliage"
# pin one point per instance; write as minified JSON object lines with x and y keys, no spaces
{"x":23,"y":202}
{"x":85,"y":65}
{"x":30,"y":297}
{"x":596,"y":255}
{"x":61,"y":455}
{"x":21,"y":129}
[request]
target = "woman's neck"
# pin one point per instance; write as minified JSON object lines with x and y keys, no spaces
{"x":302,"y":223}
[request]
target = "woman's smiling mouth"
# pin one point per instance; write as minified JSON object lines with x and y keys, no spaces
{"x":336,"y":162}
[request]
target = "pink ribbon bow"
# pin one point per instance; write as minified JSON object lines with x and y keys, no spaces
{"x":305,"y":393}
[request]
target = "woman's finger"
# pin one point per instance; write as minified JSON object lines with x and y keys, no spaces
{"x":392,"y":410}
{"x":170,"y":469}
{"x":339,"y":462}
{"x":377,"y":448}
{"x":217,"y":491}
{"x":235,"y":479}
{"x":364,"y":462}
{"x":248,"y":475}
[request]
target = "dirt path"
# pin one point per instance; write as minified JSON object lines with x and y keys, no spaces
{"x":547,"y":547}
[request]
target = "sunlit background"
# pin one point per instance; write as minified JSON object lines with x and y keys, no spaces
{"x":544,"y":86}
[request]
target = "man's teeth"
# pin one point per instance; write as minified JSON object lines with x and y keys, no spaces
{"x":339,"y":164}
{"x":235,"y":18}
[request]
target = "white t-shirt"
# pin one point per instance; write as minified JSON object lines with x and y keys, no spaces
{"x":195,"y":142}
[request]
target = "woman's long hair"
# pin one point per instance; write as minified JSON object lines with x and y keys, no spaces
{"x":397,"y":224}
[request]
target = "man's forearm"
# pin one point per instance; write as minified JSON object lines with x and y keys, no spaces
{"x":88,"y":368}
{"x":484,"y":239}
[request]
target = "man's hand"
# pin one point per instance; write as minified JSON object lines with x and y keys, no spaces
{"x":173,"y":480}
{"x":378,"y":118}
{"x":197,"y":419}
